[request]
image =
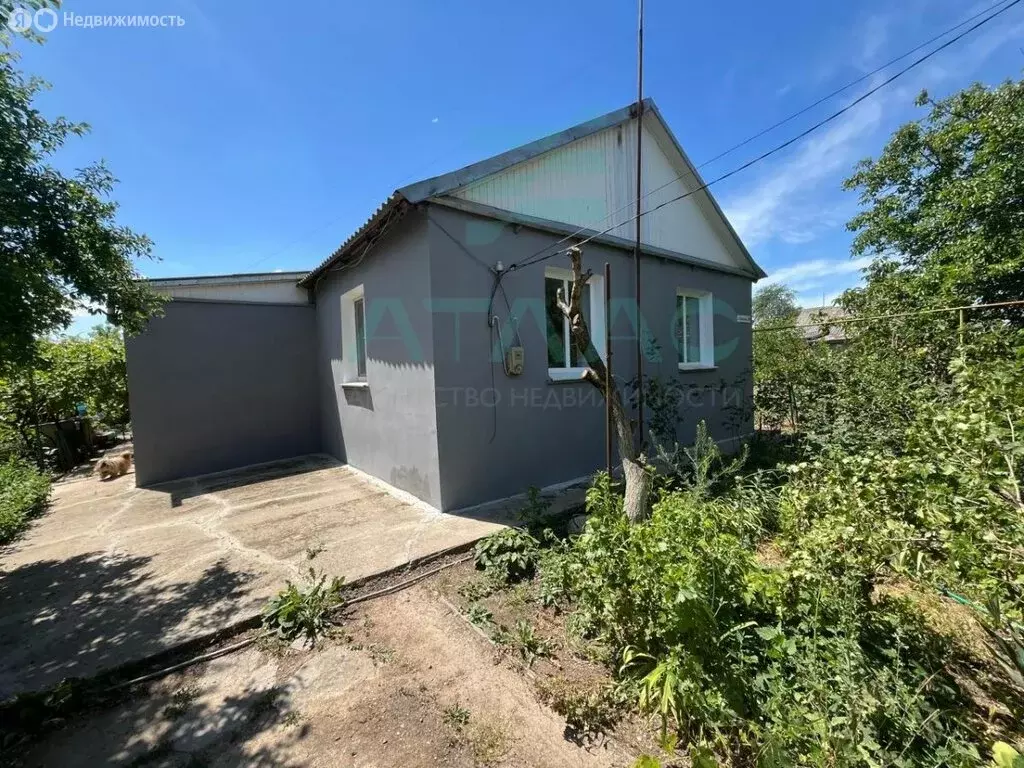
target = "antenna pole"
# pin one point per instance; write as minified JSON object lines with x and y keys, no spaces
{"x":639,"y":194}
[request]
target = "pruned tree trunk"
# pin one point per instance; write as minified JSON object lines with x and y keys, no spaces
{"x":638,"y":480}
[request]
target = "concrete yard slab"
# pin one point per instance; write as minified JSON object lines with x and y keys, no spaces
{"x":113,"y":573}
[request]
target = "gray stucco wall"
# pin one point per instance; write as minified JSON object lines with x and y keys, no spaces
{"x":498,"y":436}
{"x":216,"y":385}
{"x":387,"y":428}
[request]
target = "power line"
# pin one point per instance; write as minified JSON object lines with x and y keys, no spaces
{"x":533,"y":258}
{"x":839,"y":90}
{"x":891,"y":316}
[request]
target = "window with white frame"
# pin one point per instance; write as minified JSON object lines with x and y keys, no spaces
{"x":564,"y":360}
{"x":694,"y":329}
{"x":353,"y":336}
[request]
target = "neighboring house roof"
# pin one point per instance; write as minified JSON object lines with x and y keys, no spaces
{"x":259,"y":287}
{"x":242,"y":277}
{"x":813,"y":323}
{"x":516,"y":173}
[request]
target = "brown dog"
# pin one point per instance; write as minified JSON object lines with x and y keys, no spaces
{"x":114,"y":466}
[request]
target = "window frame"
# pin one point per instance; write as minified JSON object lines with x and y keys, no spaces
{"x":707,"y":330}
{"x":351,"y":375}
{"x":359,"y":326}
{"x":595,"y":288}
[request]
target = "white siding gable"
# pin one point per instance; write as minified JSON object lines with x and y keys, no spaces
{"x":587,"y":182}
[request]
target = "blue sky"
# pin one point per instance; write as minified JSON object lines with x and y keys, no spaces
{"x":258,"y":136}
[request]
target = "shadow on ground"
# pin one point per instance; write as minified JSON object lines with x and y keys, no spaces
{"x":232,"y":715}
{"x":86,"y":609}
{"x":180,"y":491}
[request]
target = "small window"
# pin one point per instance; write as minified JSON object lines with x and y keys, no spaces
{"x":360,"y":323}
{"x":694,"y":329}
{"x":353,"y":338}
{"x":564,"y":359}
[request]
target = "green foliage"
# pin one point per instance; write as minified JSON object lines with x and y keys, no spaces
{"x":64,"y":373}
{"x":781,"y":619}
{"x":587,"y":709}
{"x":946,"y":509}
{"x":304,"y":611}
{"x":478,"y":615}
{"x":23,"y":495}
{"x":510,"y":554}
{"x":1005,"y":756}
{"x":456,"y":717}
{"x":535,"y":514}
{"x":62,"y":249}
{"x":779,"y":355}
{"x":478,"y":589}
{"x":800,"y":661}
{"x":939,"y":210}
{"x":1006,"y":638}
{"x":523,"y":639}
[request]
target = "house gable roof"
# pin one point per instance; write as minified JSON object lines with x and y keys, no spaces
{"x":460,"y":184}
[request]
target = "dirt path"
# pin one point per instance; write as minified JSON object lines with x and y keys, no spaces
{"x":408,"y":683}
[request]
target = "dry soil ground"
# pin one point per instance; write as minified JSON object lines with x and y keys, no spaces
{"x":406,"y":681}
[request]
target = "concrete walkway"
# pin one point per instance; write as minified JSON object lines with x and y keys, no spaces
{"x":113,"y":573}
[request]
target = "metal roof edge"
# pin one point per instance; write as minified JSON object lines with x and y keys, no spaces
{"x":438,"y":186}
{"x":238,"y":277}
{"x":393,"y":203}
{"x":446,"y":182}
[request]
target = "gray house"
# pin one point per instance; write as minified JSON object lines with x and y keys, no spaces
{"x":424,"y":350}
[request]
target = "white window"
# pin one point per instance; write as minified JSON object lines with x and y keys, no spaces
{"x":353,"y":337}
{"x":694,"y":330}
{"x":564,"y":360}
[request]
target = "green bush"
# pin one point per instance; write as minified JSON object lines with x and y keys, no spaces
{"x":509,"y":555}
{"x":796,"y":662}
{"x":303,"y":611}
{"x":23,"y":494}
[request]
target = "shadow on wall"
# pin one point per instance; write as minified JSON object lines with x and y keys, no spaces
{"x":359,"y":397}
{"x":180,"y":490}
{"x":78,"y":615}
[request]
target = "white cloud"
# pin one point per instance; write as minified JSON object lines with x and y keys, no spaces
{"x":783,"y":202}
{"x":435,"y":119}
{"x":807,"y":275}
{"x":797,"y":198}
{"x":874,"y":37}
{"x":824,"y":299}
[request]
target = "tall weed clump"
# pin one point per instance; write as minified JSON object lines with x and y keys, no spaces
{"x":23,"y":495}
{"x":789,"y":661}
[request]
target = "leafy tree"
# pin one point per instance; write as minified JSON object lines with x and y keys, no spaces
{"x":944,"y":211}
{"x":779,"y":355}
{"x":61,"y":249}
{"x":65,"y":372}
{"x":774,"y":304}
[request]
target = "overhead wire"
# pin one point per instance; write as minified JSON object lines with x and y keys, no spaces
{"x":719,"y":156}
{"x":538,"y":255}
{"x":889,"y":316}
